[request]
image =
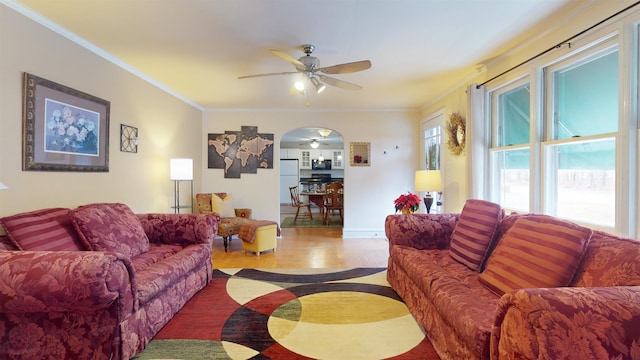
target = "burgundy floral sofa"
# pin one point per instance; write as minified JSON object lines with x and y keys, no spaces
{"x":98,"y":281}
{"x":523,"y":286}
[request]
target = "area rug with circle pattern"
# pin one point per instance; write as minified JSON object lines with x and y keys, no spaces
{"x":293,"y":314}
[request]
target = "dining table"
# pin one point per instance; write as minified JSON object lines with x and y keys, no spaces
{"x":316,"y":197}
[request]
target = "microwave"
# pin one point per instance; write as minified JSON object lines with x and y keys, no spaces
{"x":321,"y":165}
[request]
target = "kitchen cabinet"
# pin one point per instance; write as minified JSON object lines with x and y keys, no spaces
{"x":335,"y":155}
{"x":305,"y":159}
{"x":289,"y":153}
{"x":337,"y":159}
{"x":316,"y":153}
{"x":326,"y":154}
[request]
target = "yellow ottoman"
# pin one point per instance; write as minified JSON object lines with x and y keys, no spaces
{"x":259,"y":235}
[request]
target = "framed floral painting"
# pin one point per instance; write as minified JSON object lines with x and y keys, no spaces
{"x":63,"y":129}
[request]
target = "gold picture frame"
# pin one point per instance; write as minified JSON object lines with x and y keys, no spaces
{"x":360,"y":154}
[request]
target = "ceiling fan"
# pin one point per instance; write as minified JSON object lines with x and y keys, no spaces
{"x":309,"y":67}
{"x":314,"y":143}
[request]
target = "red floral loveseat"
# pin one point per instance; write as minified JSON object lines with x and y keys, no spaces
{"x":96,"y":282}
{"x":516,"y":287}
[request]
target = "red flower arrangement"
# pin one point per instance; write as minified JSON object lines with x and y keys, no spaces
{"x":408,"y":203}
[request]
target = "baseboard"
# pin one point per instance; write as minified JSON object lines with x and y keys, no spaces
{"x":362,"y":233}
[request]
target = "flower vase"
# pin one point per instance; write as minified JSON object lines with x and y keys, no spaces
{"x":407,"y":211}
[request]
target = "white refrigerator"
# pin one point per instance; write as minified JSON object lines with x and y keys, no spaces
{"x":289,"y":176}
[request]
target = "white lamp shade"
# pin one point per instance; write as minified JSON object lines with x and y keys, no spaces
{"x":428,"y":180}
{"x":3,"y":186}
{"x":181,"y":169}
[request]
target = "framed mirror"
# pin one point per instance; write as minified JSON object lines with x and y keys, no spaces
{"x":360,"y":154}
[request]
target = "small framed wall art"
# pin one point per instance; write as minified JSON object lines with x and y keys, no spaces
{"x":128,"y":138}
{"x":360,"y":154}
{"x":456,"y":134}
{"x":63,"y":129}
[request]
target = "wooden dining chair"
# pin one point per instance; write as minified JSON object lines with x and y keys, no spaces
{"x":333,"y":201}
{"x":298,"y":204}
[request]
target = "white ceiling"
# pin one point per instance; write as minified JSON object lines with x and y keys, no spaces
{"x":196,"y":49}
{"x":301,"y":139}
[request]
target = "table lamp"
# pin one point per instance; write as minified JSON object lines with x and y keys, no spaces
{"x":180,"y":170}
{"x":428,"y":181}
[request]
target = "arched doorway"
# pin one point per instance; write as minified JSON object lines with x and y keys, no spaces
{"x":318,"y":155}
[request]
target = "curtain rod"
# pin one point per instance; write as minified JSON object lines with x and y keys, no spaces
{"x":557,"y":46}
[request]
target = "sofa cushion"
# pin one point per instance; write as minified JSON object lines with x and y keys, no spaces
{"x":453,"y":289}
{"x":474,"y":232}
{"x":42,"y":230}
{"x":231,"y":226}
{"x":536,"y":252}
{"x":157,"y":252}
{"x":110,"y":227}
{"x":160,"y":276}
{"x":222,"y":204}
{"x":609,"y":260}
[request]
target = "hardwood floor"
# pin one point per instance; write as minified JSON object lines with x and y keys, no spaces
{"x":306,"y":248}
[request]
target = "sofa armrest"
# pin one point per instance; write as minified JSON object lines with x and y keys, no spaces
{"x":64,"y":281}
{"x":568,"y":323}
{"x":421,"y":231}
{"x":180,"y":229}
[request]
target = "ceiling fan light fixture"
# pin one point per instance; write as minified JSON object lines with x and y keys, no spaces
{"x":314,"y":144}
{"x":318,"y":85}
{"x":299,"y":85}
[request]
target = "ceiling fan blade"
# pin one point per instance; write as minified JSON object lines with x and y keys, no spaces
{"x":287,"y":57}
{"x":268,"y":74}
{"x":339,"y":83}
{"x":346,"y":68}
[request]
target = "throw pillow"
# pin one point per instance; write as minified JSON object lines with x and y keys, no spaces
{"x":474,"y":232}
{"x":42,"y":230}
{"x":110,"y":227}
{"x":222,"y":204}
{"x":204,"y":203}
{"x":537,"y":251}
{"x":243,"y":213}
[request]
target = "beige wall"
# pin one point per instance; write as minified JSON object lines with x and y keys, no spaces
{"x":167,"y":126}
{"x":171,"y":128}
{"x":534,"y":41}
{"x":369,"y":191}
{"x":455,"y":186}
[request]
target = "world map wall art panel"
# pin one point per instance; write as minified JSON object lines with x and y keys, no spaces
{"x":239,"y":152}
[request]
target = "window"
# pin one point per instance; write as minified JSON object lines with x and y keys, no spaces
{"x":510,"y":109}
{"x":558,"y":144}
{"x":581,"y":181}
{"x":580,"y":143}
{"x":432,"y":140}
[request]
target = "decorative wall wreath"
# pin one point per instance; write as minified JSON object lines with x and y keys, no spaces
{"x":456,"y":133}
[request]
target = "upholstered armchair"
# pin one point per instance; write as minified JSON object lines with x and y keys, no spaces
{"x":230,"y":218}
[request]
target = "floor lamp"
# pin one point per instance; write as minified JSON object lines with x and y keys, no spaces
{"x":428,"y":181}
{"x":181,"y":170}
